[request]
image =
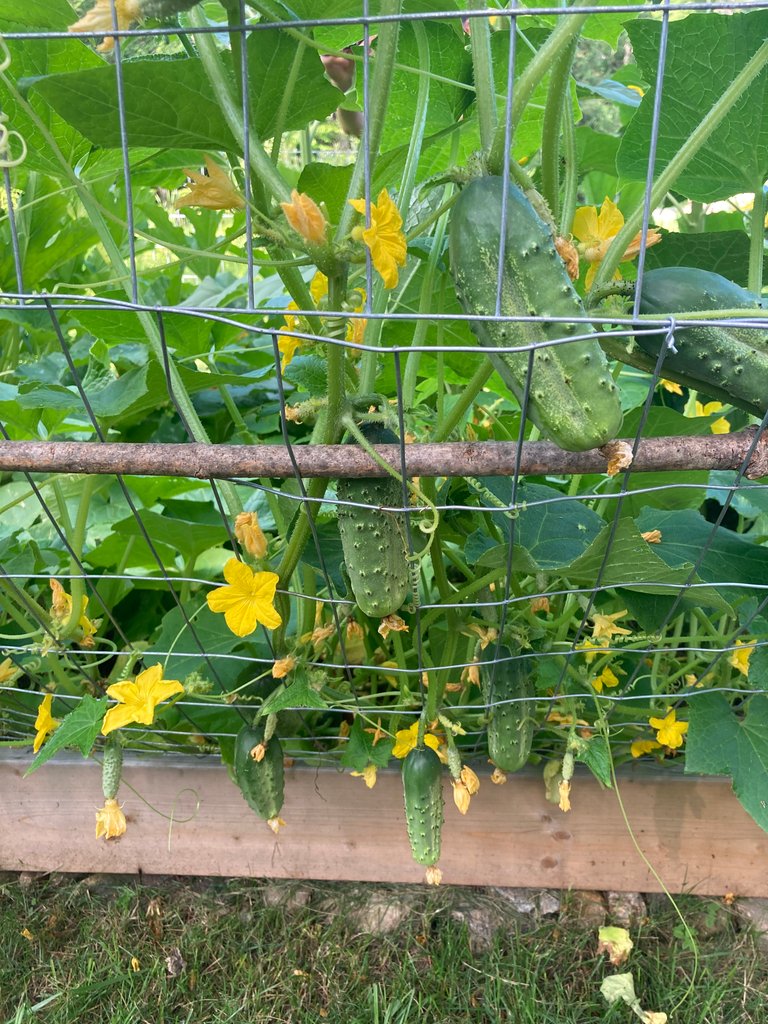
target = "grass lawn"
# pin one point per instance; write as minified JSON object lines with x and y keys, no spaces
{"x":212,"y":952}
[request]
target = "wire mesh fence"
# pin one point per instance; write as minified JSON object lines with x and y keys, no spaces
{"x":134,"y":336}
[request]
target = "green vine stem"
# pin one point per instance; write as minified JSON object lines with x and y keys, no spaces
{"x":561,"y":38}
{"x":76,"y":538}
{"x":475,"y":385}
{"x":757,"y":240}
{"x":555,"y":110}
{"x":380,"y":86}
{"x":680,"y":161}
{"x":210,"y":59}
{"x":419,"y":123}
{"x":482,"y":66}
{"x":287,"y":98}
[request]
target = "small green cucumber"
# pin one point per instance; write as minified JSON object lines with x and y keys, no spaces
{"x":510,"y":725}
{"x":260,"y":782}
{"x":727,"y":363}
{"x":573,"y":398}
{"x":373,"y":541}
{"x":423,"y":793}
{"x":111,"y":767}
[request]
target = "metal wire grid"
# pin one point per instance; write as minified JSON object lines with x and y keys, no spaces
{"x":665,"y":329}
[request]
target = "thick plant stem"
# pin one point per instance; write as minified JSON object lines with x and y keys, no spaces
{"x":260,"y":163}
{"x":380,"y":86}
{"x":757,"y":240}
{"x":482,"y":67}
{"x":567,"y":29}
{"x":419,"y":122}
{"x":571,"y":177}
{"x":680,"y":161}
{"x":76,"y":543}
{"x":474,"y":386}
{"x":557,"y":104}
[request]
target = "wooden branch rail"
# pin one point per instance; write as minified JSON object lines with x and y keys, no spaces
{"x":450,"y":459}
{"x":692,"y":830}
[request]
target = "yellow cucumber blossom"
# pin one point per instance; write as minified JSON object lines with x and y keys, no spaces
{"x":604,"y":627}
{"x":45,"y":723}
{"x":305,"y":217}
{"x":99,"y":21}
{"x":368,"y":775}
{"x":247,"y":599}
{"x":595,"y":233}
{"x":137,"y":698}
{"x":212,"y":191}
{"x":739,"y":658}
{"x":384,"y":238}
{"x":669,"y":732}
{"x":8,"y":672}
{"x":110,"y":821}
{"x":286,"y":343}
{"x":718,"y":426}
{"x":670,"y":385}
{"x":640,"y":747}
{"x":606,"y":678}
{"x":407,"y":739}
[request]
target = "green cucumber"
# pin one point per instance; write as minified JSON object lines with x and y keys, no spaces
{"x":260,"y":782}
{"x":573,"y":398}
{"x":111,"y":767}
{"x":373,"y":541}
{"x":727,"y":363}
{"x":510,"y":725}
{"x":423,"y":793}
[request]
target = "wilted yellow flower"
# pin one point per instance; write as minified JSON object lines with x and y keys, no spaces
{"x":486,"y":634}
{"x":406,"y":740}
{"x":283,"y":666}
{"x":604,"y":627}
{"x":8,"y":672}
{"x":498,"y":778}
{"x":247,"y":600}
{"x":433,"y":876}
{"x":619,"y":456}
{"x":669,"y":732}
{"x":258,"y":753}
{"x":595,"y":232}
{"x":739,"y":658}
{"x":564,"y":789}
{"x":670,"y":385}
{"x":377,"y":732}
{"x":137,"y":698}
{"x":470,"y":780}
{"x":540,"y":604}
{"x":652,"y":536}
{"x":99,"y":20}
{"x":135,"y":964}
{"x":61,"y":609}
{"x":471,"y":673}
{"x":110,"y":820}
{"x":384,"y":238}
{"x":250,"y":534}
{"x":276,"y":824}
{"x":368,"y":775}
{"x":44,"y":723}
{"x":212,"y":191}
{"x":461,"y":796}
{"x":305,"y":217}
{"x":569,"y":254}
{"x":392,"y":624}
{"x":640,"y":747}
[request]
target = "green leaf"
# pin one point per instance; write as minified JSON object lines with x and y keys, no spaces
{"x":169,"y":103}
{"x":36,"y":14}
{"x":298,"y":694}
{"x":309,"y":374}
{"x":722,"y":252}
{"x":210,"y":633}
{"x":360,"y":750}
{"x":624,"y":559}
{"x":79,"y":729}
{"x":595,"y":754}
{"x":735,"y":157}
{"x":722,"y":742}
{"x":326,"y":184}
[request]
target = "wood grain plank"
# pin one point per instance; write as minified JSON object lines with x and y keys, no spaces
{"x":692,"y":830}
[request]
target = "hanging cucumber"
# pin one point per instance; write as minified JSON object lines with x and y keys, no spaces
{"x":423,"y":793}
{"x":573,"y":398}
{"x":373,"y":541}
{"x":510,"y":725}
{"x":727,"y":363}
{"x":261,"y":782}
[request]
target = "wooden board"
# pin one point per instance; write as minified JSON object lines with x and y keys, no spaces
{"x":693,"y":831}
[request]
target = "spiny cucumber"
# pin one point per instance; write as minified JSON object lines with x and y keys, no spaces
{"x":261,"y":782}
{"x":573,"y":398}
{"x":510,"y":725}
{"x":423,"y":793}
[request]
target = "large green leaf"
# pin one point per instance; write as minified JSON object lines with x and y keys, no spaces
{"x":686,"y":537}
{"x":705,"y":53}
{"x":720,"y":742}
{"x":79,"y":729}
{"x":169,"y":103}
{"x":722,"y":252}
{"x":623,"y":559}
{"x":209,"y":632}
{"x":36,"y":14}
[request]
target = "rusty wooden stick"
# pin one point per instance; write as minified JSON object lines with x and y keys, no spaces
{"x":450,"y":459}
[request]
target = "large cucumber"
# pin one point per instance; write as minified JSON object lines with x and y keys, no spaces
{"x":510,"y":725}
{"x":727,"y":363}
{"x":573,"y":398}
{"x":260,"y":782}
{"x":423,"y":793}
{"x":374,"y":541}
